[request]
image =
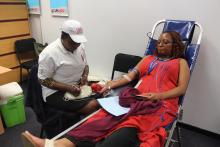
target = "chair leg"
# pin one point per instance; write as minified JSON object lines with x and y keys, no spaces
{"x":20,"y":74}
{"x":28,"y":73}
{"x":178,"y":134}
{"x":169,"y":137}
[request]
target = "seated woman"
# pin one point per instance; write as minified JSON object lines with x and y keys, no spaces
{"x":163,"y":77}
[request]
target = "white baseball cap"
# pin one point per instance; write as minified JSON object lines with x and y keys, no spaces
{"x":74,"y":29}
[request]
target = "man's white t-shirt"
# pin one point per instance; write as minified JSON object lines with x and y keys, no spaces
{"x":61,"y":65}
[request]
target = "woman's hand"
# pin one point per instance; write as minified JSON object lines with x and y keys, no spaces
{"x":151,"y":96}
{"x":106,"y":88}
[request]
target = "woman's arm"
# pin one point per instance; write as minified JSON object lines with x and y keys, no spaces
{"x":184,"y":75}
{"x":125,"y":79}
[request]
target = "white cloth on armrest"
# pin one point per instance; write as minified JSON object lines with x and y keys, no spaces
{"x":8,"y":90}
{"x":95,"y":78}
{"x":86,"y":91}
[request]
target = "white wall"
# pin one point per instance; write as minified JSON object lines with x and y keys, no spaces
{"x":121,"y":26}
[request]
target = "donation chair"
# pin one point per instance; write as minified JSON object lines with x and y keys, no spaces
{"x":187,"y":30}
{"x":53,"y":121}
{"x":26,"y":54}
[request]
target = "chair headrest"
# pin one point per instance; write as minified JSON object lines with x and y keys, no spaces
{"x":184,"y":28}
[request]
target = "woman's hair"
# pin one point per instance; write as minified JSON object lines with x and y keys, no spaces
{"x":178,"y":47}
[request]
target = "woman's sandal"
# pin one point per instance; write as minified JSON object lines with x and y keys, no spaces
{"x":28,"y":141}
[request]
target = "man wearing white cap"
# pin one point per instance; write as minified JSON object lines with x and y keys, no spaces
{"x":63,"y":68}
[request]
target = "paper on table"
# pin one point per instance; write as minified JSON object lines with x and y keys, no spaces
{"x":111,"y":105}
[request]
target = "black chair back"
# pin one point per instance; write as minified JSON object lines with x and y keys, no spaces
{"x":25,"y":45}
{"x":53,"y":121}
{"x":124,"y":63}
{"x":26,"y":54}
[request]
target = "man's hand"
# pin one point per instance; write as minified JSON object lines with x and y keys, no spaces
{"x":75,"y":90}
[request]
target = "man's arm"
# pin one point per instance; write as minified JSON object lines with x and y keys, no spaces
{"x":46,"y":70}
{"x":84,"y":78}
{"x":52,"y":84}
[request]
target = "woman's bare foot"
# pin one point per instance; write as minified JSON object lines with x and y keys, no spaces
{"x":30,"y":140}
{"x":35,"y":141}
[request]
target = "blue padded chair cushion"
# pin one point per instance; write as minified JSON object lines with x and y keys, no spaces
{"x":151,"y":46}
{"x":184,"y":28}
{"x":191,"y":54}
